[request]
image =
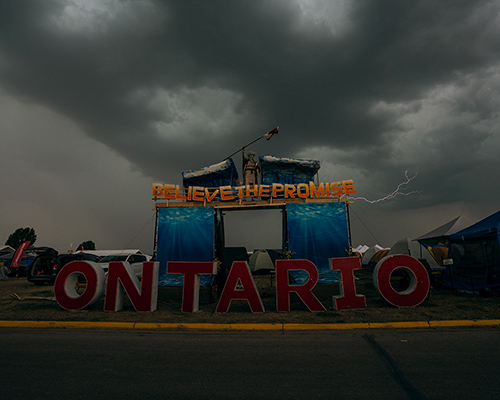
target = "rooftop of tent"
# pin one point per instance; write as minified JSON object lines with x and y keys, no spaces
{"x":489,"y":226}
{"x":6,"y":249}
{"x":444,"y":231}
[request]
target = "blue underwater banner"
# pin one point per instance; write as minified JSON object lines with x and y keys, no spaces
{"x":317,"y":232}
{"x":184,"y":234}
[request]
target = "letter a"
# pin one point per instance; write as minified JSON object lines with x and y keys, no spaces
{"x":240,"y":271}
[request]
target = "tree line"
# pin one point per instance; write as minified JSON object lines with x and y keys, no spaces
{"x":21,"y":235}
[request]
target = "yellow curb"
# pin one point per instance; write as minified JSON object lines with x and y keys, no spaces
{"x":481,"y":322}
{"x":303,"y":327}
{"x":210,"y":326}
{"x":65,"y":324}
{"x":181,"y":326}
{"x":435,"y":324}
{"x":257,"y":327}
{"x":488,"y":322}
{"x":406,"y":324}
{"x":246,"y":327}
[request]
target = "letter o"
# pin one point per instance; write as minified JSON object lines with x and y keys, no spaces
{"x":418,"y":289}
{"x":303,"y":190}
{"x":65,"y":285}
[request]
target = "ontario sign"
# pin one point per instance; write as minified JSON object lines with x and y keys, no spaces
{"x":239,"y":285}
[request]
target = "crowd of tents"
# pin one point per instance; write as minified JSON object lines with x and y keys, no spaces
{"x":466,"y":256}
{"x":459,"y":254}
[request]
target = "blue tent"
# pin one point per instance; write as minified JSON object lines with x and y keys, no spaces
{"x":476,"y":258}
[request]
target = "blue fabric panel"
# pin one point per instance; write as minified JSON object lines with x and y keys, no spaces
{"x":317,"y":232}
{"x":222,"y":174}
{"x":287,"y":170}
{"x":184,"y":234}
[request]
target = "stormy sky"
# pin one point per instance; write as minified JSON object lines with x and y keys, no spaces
{"x":99,"y":99}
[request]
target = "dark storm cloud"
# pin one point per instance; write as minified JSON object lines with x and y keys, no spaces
{"x":175,"y":85}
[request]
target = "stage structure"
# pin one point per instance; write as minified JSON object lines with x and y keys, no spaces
{"x":190,"y":219}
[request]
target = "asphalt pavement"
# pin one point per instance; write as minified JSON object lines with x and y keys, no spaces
{"x":428,"y":363}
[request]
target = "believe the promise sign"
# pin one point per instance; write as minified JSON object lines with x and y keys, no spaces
{"x":239,"y":284}
{"x":235,"y":193}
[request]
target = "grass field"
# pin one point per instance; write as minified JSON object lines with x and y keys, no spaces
{"x":36,"y":303}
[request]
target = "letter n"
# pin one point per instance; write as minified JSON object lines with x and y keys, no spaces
{"x":121,"y":278}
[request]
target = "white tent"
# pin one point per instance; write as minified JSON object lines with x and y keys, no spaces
{"x":6,"y":250}
{"x":368,"y":254}
{"x":260,"y":260}
{"x":414,"y":249}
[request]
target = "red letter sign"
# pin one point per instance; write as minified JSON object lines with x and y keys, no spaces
{"x":65,"y":284}
{"x":348,"y":299}
{"x":283,"y":288}
{"x":191,"y":272}
{"x":143,"y":296}
{"x":240,"y":271}
{"x":419,"y":280}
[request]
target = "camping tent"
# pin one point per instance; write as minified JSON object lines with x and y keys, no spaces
{"x":261,"y":261}
{"x":6,"y":250}
{"x":437,"y":239}
{"x":414,"y":249}
{"x":475,"y":254}
{"x":378,"y":256}
{"x":368,"y":255}
{"x":440,"y":252}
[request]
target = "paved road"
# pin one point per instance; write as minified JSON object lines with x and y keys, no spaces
{"x":384,"y":364}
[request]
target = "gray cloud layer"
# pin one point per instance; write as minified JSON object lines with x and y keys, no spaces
{"x":371,"y":89}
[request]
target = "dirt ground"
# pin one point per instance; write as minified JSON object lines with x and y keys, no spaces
{"x":36,"y":303}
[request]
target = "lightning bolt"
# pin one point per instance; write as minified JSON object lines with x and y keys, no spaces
{"x":395,"y":193}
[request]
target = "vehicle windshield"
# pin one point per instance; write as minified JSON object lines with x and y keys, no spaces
{"x":107,"y":259}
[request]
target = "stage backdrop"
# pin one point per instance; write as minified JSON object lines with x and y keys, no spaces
{"x":317,"y":232}
{"x":184,"y":234}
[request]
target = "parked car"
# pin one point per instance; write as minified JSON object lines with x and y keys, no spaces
{"x":135,"y":260}
{"x":49,"y":262}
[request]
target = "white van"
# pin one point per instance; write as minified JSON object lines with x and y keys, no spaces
{"x":135,"y":260}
